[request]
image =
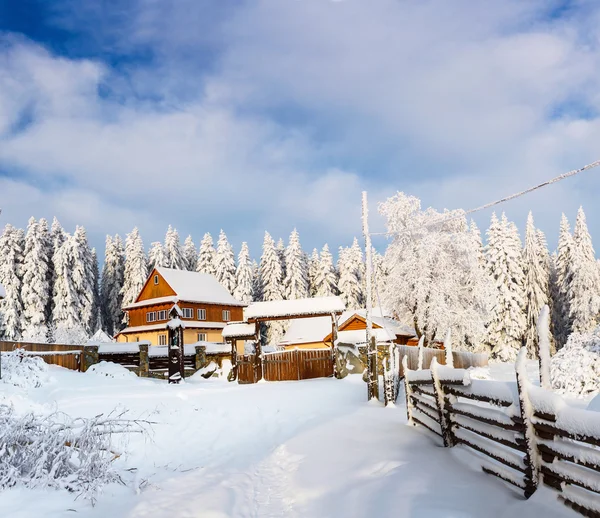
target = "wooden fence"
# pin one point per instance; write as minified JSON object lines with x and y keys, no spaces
{"x":462,"y":360}
{"x":68,"y":356}
{"x":517,"y":445}
{"x":248,"y":368}
{"x":297,"y":364}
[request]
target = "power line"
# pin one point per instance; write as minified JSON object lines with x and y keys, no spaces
{"x":505,"y":199}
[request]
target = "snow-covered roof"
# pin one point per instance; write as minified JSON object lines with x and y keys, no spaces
{"x":381,"y":318}
{"x":307,"y":330}
{"x":2,"y":292}
{"x":197,"y":287}
{"x":100,"y":337}
{"x":358,"y":336}
{"x":192,"y":324}
{"x":239,"y":330}
{"x":294,"y":308}
{"x":152,"y":302}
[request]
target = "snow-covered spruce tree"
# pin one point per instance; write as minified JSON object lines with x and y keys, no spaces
{"x":357,"y":258}
{"x":585,"y":283}
{"x":113,"y":278}
{"x":379,"y":275}
{"x":11,"y":263}
{"x":281,"y":255}
{"x":349,"y":283}
{"x":244,"y":276}
{"x":173,"y":252}
{"x":507,"y":322}
{"x":190,"y":254}
{"x":256,"y":285}
{"x":156,"y":256}
{"x":314,"y":264}
{"x":326,"y":280}
{"x":57,"y":237}
{"x":86,"y":280}
{"x":96,"y":322}
{"x":435,"y":281}
{"x":136,"y":267}
{"x":46,"y":239}
{"x":206,"y":256}
{"x":296,"y":268}
{"x":535,"y":284}
{"x":35,"y":293}
{"x":561,"y":287}
{"x":271,"y":281}
{"x":225,"y":263}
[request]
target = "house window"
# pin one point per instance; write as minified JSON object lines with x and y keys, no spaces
{"x":151,"y":316}
{"x":188,"y":313}
{"x":226,"y":315}
{"x":162,"y":339}
{"x":155,"y":280}
{"x":201,"y":314}
{"x":202,"y":337}
{"x":162,"y":314}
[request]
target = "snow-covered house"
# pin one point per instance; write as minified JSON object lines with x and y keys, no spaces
{"x":311,"y":333}
{"x":205,"y":304}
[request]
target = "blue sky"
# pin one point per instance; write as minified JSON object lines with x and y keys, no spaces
{"x":274,"y":114}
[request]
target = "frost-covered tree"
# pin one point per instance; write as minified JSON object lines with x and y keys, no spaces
{"x":244,"y":276}
{"x":35,"y":293}
{"x":96,"y":321}
{"x":113,"y":279}
{"x":561,"y":285}
{"x":206,"y":256}
{"x":256,"y":286}
{"x":85,"y":279}
{"x":190,"y":254}
{"x":379,"y":278}
{"x":314,"y":265}
{"x":349,"y":283}
{"x":271,"y":282}
{"x":585,"y":283}
{"x":173,"y":252}
{"x":11,"y":263}
{"x":136,"y":268}
{"x":225,"y":263}
{"x":435,"y":280}
{"x":356,"y":254}
{"x":296,"y":268}
{"x":535,"y":265}
{"x":281,"y":255}
{"x":507,"y":323}
{"x":326,"y":280}
{"x":156,"y":256}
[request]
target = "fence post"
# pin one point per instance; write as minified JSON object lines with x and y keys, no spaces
{"x":90,"y":357}
{"x":439,"y":398}
{"x":200,"y":358}
{"x":407,"y":391}
{"x":531,"y":457}
{"x":144,"y":369}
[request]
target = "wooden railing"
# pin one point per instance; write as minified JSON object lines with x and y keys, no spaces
{"x":67,"y":356}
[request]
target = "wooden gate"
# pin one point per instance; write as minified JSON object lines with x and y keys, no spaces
{"x":298,"y":364}
{"x":248,"y":369}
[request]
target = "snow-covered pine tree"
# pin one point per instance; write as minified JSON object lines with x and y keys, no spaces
{"x":11,"y":263}
{"x":314,"y":265}
{"x":535,"y":284}
{"x":156,"y":256}
{"x":281,"y":254}
{"x":173,"y":252}
{"x":358,"y":259}
{"x":190,"y":254}
{"x":96,"y":322}
{"x":85,"y":279}
{"x":507,"y":323}
{"x":113,"y":278}
{"x":244,"y":276}
{"x":349,"y":282}
{"x":256,"y":286}
{"x":380,"y":274}
{"x":326,"y":281}
{"x":136,"y":267}
{"x":46,"y":240}
{"x":296,"y":280}
{"x":206,"y":256}
{"x":271,"y":281}
{"x":561,"y":308}
{"x":585,"y":284}
{"x":225,"y":263}
{"x":35,"y":292}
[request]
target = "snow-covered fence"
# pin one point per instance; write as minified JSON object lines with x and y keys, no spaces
{"x":68,"y":356}
{"x":462,"y":360}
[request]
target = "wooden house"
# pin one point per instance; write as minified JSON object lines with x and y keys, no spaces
{"x":206,"y":308}
{"x":315,"y":333}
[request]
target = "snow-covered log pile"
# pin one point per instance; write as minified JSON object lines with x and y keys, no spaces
{"x":575,"y":369}
{"x":60,"y":452}
{"x":22,"y":370}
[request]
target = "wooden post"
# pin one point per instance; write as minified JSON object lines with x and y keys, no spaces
{"x":445,"y":425}
{"x":176,"y":352}
{"x":334,"y":351}
{"x":144,"y":368}
{"x":233,"y":373}
{"x":90,"y":357}
{"x":257,"y":355}
{"x":407,"y":391}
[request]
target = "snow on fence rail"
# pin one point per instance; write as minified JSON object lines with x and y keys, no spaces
{"x":462,"y":360}
{"x":519,"y":431}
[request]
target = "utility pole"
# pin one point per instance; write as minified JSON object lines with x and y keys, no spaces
{"x":372,"y":378}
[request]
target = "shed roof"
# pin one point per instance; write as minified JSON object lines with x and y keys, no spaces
{"x":317,"y":306}
{"x":239,"y":330}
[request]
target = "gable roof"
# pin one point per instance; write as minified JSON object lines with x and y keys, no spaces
{"x":190,"y":287}
{"x":315,"y":306}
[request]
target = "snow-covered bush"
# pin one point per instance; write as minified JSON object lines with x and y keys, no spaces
{"x":575,"y":369}
{"x":60,"y":452}
{"x":22,"y":370}
{"x":110,"y":370}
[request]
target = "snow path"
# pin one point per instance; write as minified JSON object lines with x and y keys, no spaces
{"x":295,"y":449}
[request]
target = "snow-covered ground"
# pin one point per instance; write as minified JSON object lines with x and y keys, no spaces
{"x":312,"y":448}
